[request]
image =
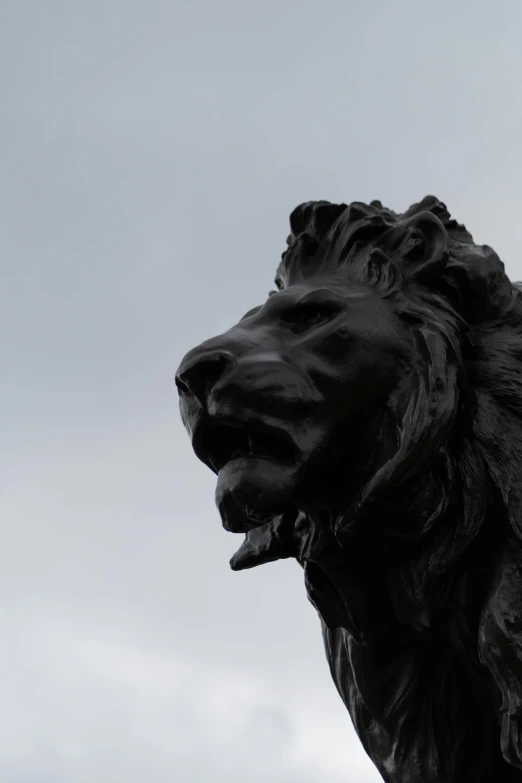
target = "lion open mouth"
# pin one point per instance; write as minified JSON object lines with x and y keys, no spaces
{"x":217,"y":443}
{"x":256,"y":464}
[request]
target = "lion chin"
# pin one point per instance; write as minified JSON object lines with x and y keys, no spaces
{"x":366,"y":420}
{"x":251,"y":491}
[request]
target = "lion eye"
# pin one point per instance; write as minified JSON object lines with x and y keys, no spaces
{"x":306,"y":317}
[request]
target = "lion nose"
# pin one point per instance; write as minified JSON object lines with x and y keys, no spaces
{"x":198,"y":373}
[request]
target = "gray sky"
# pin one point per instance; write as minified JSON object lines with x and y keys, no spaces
{"x":150,"y":155}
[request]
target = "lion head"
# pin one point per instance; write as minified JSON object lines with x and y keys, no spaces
{"x":366,"y":420}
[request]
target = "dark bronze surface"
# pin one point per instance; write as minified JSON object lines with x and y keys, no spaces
{"x":367,"y":421}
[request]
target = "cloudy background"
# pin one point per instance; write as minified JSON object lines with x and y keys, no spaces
{"x":150,"y":153}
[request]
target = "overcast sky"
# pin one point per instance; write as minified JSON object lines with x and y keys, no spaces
{"x":150,"y":155}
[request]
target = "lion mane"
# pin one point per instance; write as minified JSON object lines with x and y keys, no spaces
{"x":419,"y":580}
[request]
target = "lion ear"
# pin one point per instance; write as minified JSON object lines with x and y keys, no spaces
{"x":380,"y":271}
{"x":422,"y":245}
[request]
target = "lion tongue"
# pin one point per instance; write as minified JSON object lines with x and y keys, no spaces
{"x":292,"y":534}
{"x":272,"y":541}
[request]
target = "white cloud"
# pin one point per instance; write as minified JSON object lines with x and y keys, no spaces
{"x":85,"y":708}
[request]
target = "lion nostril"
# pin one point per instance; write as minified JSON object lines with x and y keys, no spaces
{"x":181,"y":386}
{"x":202,"y":373}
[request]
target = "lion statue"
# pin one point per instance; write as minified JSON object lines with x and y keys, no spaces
{"x":367,"y":421}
